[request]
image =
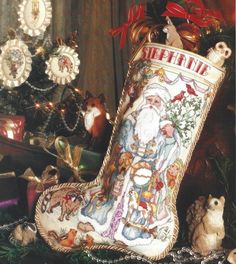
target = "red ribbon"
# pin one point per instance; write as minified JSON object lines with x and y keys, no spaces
{"x":196,"y":2}
{"x":198,"y":16}
{"x":206,"y":13}
{"x":135,"y":13}
{"x":200,"y":10}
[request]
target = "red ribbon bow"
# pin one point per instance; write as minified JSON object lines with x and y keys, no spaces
{"x":200,"y":10}
{"x":206,"y":13}
{"x":196,"y":2}
{"x":135,"y":13}
{"x":198,"y":16}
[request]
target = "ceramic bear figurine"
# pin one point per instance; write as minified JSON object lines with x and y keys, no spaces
{"x":232,"y":256}
{"x":206,"y":224}
{"x":131,"y":205}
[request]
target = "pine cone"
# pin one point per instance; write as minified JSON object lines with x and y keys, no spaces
{"x":194,"y":215}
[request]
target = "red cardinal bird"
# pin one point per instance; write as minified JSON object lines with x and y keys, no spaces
{"x":190,"y":90}
{"x":178,"y":97}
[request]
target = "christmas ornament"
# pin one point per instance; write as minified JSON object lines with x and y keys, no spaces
{"x":34,"y":16}
{"x":149,"y":151}
{"x":219,"y":53}
{"x":198,"y":15}
{"x":12,"y":126}
{"x":205,"y":233}
{"x":96,"y":122}
{"x":15,"y":63}
{"x":23,"y":234}
{"x":36,"y":185}
{"x":143,"y":29}
{"x":190,"y":36}
{"x":172,"y":36}
{"x":63,"y":67}
{"x":9,"y":195}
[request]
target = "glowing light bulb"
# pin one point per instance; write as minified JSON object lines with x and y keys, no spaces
{"x":108,"y":116}
{"x":37,"y":105}
{"x":40,"y":50}
{"x":77,"y":90}
{"x":50,"y":104}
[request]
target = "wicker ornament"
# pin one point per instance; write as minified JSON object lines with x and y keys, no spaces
{"x":35,"y":16}
{"x":15,"y":63}
{"x":63,"y":67}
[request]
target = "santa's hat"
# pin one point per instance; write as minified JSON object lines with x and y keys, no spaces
{"x":164,"y":123}
{"x":156,"y":89}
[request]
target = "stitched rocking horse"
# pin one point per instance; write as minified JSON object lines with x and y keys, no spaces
{"x":131,"y":206}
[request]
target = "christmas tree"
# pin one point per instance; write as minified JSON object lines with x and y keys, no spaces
{"x":47,"y":106}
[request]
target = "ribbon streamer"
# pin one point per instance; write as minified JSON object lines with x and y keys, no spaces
{"x":7,"y":203}
{"x":135,"y":13}
{"x":69,"y":156}
{"x":200,"y":16}
{"x":50,"y":177}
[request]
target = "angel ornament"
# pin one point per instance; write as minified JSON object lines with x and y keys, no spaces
{"x":219,"y":53}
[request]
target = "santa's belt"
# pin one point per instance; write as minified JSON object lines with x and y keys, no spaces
{"x":143,"y":151}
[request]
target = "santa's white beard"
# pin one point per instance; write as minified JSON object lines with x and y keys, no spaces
{"x":147,"y":124}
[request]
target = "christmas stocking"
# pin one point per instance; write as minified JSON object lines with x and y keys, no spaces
{"x":131,"y":206}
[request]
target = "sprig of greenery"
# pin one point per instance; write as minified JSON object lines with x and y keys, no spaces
{"x":223,"y":169}
{"x":183,"y":115}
